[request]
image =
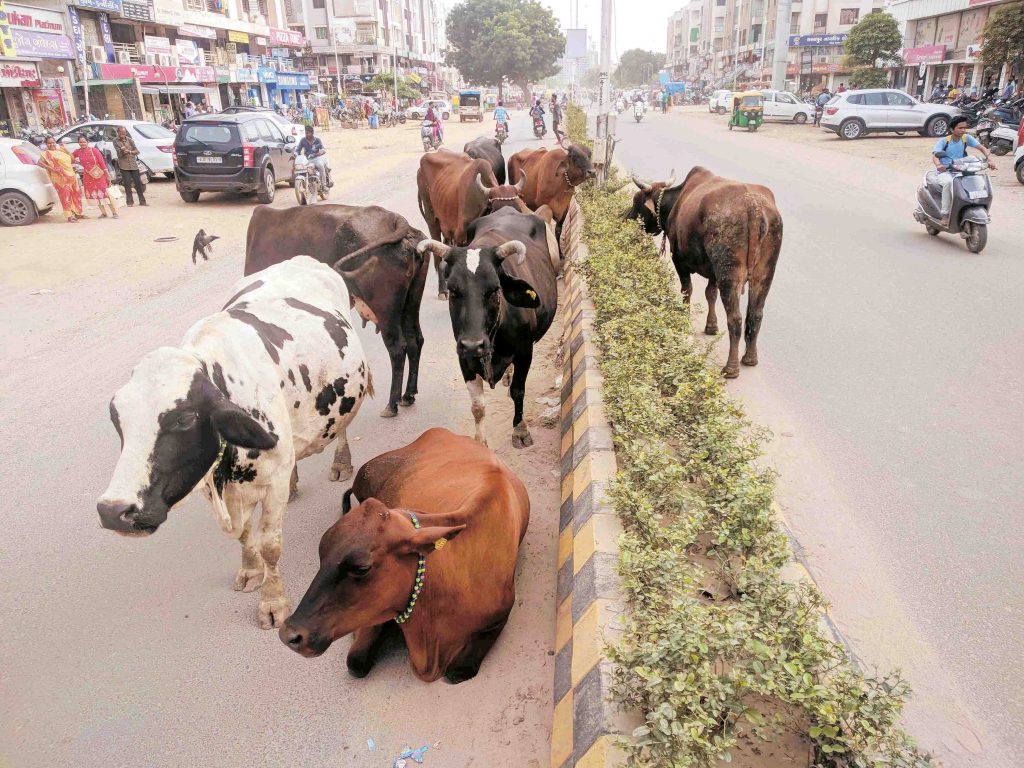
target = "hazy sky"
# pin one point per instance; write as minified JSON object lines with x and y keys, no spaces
{"x":635,"y":23}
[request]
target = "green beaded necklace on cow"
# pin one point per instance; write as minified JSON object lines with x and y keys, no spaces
{"x":417,"y":586}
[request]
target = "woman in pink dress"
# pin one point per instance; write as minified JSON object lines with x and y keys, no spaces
{"x":94,"y":176}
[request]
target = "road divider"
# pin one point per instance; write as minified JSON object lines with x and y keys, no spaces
{"x":706,"y":636}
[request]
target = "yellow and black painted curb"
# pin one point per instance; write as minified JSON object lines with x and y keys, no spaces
{"x":589,"y":601}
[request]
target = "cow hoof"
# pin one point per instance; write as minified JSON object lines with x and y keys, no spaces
{"x":340,"y":472}
{"x":521,"y":438}
{"x":731,"y":373}
{"x":292,"y":493}
{"x":750,"y":360}
{"x":358,"y":667}
{"x":442,"y":297}
{"x":460,"y":674}
{"x":248,"y":579}
{"x":274,"y":612}
{"x":711,"y":330}
{"x":407,"y":400}
{"x":389,"y":412}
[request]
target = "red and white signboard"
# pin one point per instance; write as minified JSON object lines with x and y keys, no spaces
{"x":147,"y":73}
{"x":286,"y":37}
{"x":928,"y":54}
{"x":19,"y":74}
{"x":36,"y":19}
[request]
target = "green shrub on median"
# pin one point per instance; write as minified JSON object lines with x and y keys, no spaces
{"x":717,"y":642}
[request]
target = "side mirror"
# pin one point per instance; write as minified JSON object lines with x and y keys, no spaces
{"x":289,"y":139}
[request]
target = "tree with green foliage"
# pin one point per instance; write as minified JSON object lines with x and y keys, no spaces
{"x":874,"y":44}
{"x":637,"y":67}
{"x":1004,"y":36}
{"x":384,"y":82}
{"x":494,"y":41}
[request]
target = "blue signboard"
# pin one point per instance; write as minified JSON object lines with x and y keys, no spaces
{"x":110,"y":6}
{"x":293,"y":80}
{"x":805,"y":41}
{"x":77,"y":36}
{"x":108,"y":41}
{"x":267,"y":75}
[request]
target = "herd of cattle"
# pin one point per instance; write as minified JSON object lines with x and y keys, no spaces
{"x":278,"y":374}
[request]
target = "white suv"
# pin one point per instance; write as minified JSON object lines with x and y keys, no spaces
{"x":853,"y":114}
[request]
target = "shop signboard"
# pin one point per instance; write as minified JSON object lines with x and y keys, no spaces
{"x":172,"y":17}
{"x":188,"y":52}
{"x":805,"y":41}
{"x":108,"y":40}
{"x":280,"y":53}
{"x":148,"y":73}
{"x":244,"y":75}
{"x":157,"y":45}
{"x":40,"y":46}
{"x":19,"y":74}
{"x":286,"y":37}
{"x":826,"y":69}
{"x":36,"y":19}
{"x":292,"y":80}
{"x":972,"y":53}
{"x":267,"y":75}
{"x":196,"y":30}
{"x":77,"y":38}
{"x":926,"y":54}
{"x":108,"y":6}
{"x":6,"y":39}
{"x":237,"y":37}
{"x":138,"y":11}
{"x":49,"y":104}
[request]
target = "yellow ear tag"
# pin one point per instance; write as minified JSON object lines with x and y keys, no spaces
{"x":531,"y":294}
{"x":440,"y":543}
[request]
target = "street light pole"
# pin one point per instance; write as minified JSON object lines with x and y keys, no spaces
{"x":395,"y":63}
{"x":782,"y":21}
{"x":604,"y":100}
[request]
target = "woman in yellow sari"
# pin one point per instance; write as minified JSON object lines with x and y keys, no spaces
{"x":58,"y":163}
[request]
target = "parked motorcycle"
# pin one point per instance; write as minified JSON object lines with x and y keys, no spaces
{"x":539,"y":129}
{"x":501,"y":132}
{"x":431,"y":140}
{"x":972,"y":198}
{"x":1002,"y":140}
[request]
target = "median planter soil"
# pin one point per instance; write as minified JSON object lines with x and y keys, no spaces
{"x":722,"y":655}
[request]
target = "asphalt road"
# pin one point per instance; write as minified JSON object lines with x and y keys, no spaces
{"x":127,"y":652}
{"x":890,"y":373}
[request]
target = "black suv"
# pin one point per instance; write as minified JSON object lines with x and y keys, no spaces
{"x":245,"y":152}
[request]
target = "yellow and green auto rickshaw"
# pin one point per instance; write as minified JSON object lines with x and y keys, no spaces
{"x":747,"y":110}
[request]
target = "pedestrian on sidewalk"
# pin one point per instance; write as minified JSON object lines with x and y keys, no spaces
{"x":556,"y":119}
{"x":59,"y":165}
{"x":128,"y":162}
{"x":94,"y":176}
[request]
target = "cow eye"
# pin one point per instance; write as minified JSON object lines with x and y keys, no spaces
{"x":360,"y":570}
{"x":186,"y":420}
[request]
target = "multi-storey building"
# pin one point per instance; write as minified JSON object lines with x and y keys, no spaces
{"x":942,"y":44}
{"x":352,"y":39}
{"x":683,"y":55}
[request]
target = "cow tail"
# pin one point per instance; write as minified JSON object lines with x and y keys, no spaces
{"x":369,"y":383}
{"x":346,"y":502}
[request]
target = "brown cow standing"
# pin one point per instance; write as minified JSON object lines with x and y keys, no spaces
{"x":454,"y":189}
{"x":551,"y":176}
{"x":375,"y":251}
{"x":369,"y":559}
{"x":727,"y":231}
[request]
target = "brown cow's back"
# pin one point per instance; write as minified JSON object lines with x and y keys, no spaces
{"x":544,"y":185}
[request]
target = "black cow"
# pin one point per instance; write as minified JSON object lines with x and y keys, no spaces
{"x":503,"y":297}
{"x":486,"y":148}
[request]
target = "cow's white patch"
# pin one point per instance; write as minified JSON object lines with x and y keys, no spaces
{"x":473,"y":259}
{"x":478,"y":406}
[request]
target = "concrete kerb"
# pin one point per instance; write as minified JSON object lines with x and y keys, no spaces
{"x":589,"y":602}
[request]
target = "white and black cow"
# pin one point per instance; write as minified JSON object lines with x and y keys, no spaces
{"x":503,"y":293}
{"x":275,"y":376}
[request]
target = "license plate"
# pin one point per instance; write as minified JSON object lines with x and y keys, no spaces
{"x":978,"y":193}
{"x":210,"y":160}
{"x":984,"y":126}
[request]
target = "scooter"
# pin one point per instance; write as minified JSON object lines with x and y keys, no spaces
{"x":430,"y":139}
{"x":539,"y":129}
{"x":638,"y":111}
{"x":972,"y":198}
{"x":500,"y":132}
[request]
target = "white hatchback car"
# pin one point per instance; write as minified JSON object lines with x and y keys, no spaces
{"x":155,"y":142}
{"x":854,"y":114}
{"x":779,"y":105}
{"x":420,"y":112}
{"x":720,"y":102}
{"x":25,"y":190}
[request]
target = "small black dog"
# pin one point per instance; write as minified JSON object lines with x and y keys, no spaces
{"x":203,"y":245}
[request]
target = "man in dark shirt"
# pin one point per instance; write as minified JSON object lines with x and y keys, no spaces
{"x":313,"y":148}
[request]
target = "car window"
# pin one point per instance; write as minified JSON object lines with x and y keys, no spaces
{"x":857,"y":98}
{"x":250,"y":131}
{"x":208,"y":134}
{"x":899,"y":99}
{"x":107,"y":133}
{"x":876,"y":100}
{"x":788,"y":99}
{"x":152,"y":131}
{"x":27,"y":153}
{"x":264,"y":128}
{"x":275,"y":130}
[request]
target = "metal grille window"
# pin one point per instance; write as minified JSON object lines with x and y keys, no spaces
{"x":320,"y":32}
{"x":820,"y":22}
{"x":195,"y":5}
{"x":849,"y":15}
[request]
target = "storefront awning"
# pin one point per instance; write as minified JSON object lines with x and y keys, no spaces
{"x":100,"y":83}
{"x":157,"y":90}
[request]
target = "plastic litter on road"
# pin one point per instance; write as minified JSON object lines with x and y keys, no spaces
{"x":371,"y":744}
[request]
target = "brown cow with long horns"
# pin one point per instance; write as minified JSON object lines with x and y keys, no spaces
{"x":729,"y":232}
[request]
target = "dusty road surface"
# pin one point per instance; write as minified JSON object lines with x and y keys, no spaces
{"x":127,"y":652}
{"x":891,"y":377}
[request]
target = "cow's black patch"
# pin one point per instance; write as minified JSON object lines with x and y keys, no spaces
{"x":115,"y":419}
{"x":335,"y":325}
{"x":251,"y":287}
{"x":231,"y":470}
{"x":231,"y":378}
{"x":304,"y":372}
{"x":272,"y":336}
{"x":325,"y":399}
{"x":297,"y":405}
{"x":291,"y":377}
{"x":327,"y":429}
{"x":282,"y":383}
{"x":218,"y":380}
{"x":253,"y":453}
{"x":347,"y":404}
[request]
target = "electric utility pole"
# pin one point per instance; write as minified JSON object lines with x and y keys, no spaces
{"x":781,"y":45}
{"x":605,"y":127}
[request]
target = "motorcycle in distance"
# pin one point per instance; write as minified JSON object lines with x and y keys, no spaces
{"x":430,"y":139}
{"x":500,"y":132}
{"x":539,"y":129}
{"x":308,"y":185}
{"x":638,"y":110}
{"x":972,"y":198}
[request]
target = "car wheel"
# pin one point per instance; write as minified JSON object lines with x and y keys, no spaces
{"x":189,"y":195}
{"x":266,"y":195}
{"x":800,"y":118}
{"x":720,"y":110}
{"x":16,"y":210}
{"x":1020,"y":172}
{"x":169,"y":174}
{"x":851,"y":129}
{"x":937,"y":126}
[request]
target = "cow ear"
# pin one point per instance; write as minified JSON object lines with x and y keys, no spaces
{"x":518,"y":293}
{"x":427,"y":540}
{"x":239,"y":428}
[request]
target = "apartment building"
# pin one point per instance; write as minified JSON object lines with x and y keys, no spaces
{"x":683,"y":45}
{"x":354,"y":39}
{"x":942,"y":44}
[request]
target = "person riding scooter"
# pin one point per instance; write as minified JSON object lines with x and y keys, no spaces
{"x":945,"y":151}
{"x":501,"y":116}
{"x":313,"y":148}
{"x":434,"y":118}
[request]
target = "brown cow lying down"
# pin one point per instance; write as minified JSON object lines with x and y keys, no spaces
{"x":729,"y":232}
{"x":395,"y":557}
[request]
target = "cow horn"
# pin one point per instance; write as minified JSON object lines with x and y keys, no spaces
{"x":480,"y":184}
{"x":432,"y":246}
{"x":512,"y":247}
{"x":671,"y":179}
{"x":642,"y":184}
{"x":521,"y":183}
